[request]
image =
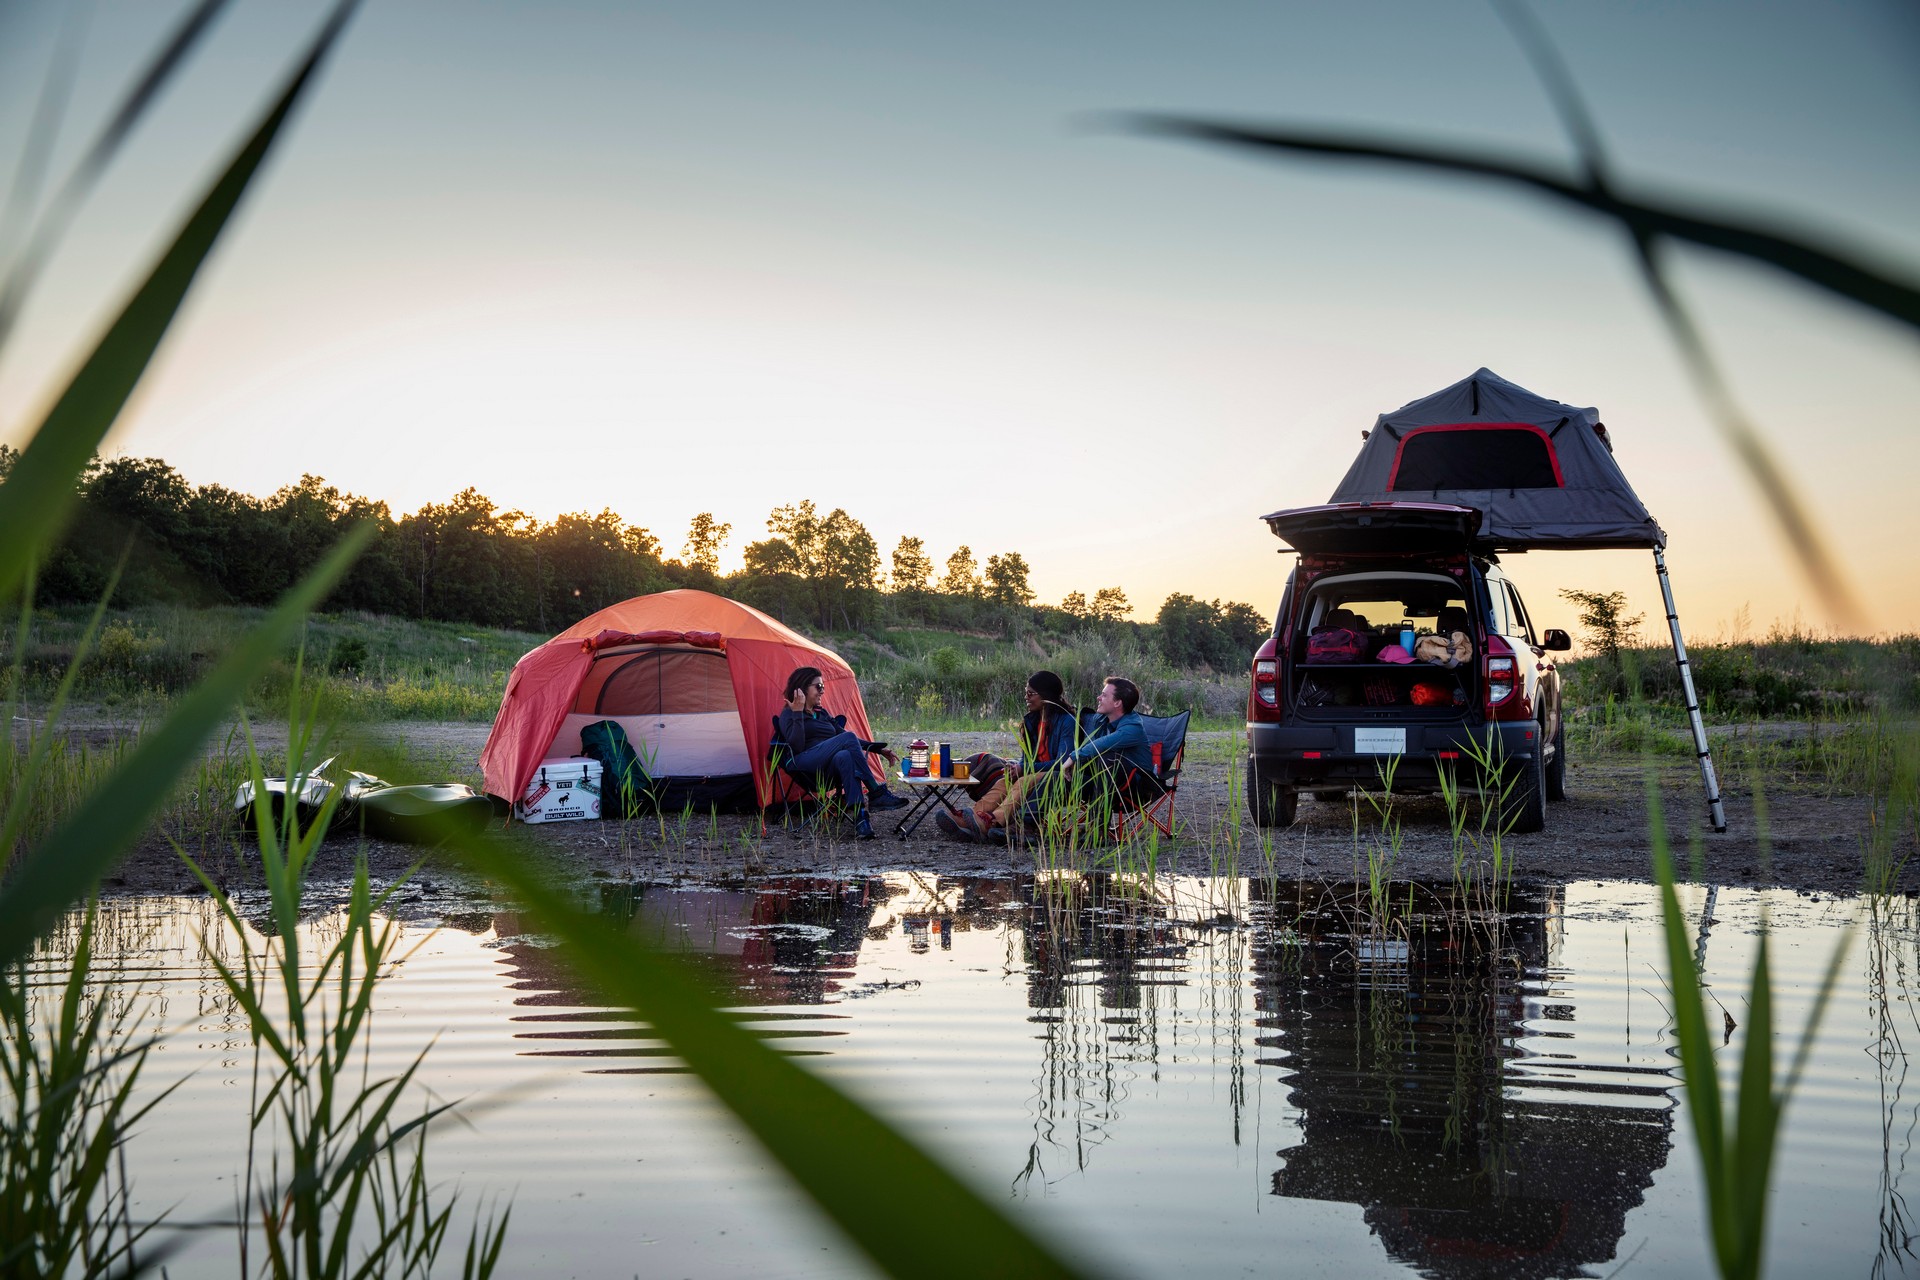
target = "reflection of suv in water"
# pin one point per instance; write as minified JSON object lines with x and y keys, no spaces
{"x":1340,"y":701}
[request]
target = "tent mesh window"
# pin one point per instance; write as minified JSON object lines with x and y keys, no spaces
{"x":1515,"y":457}
{"x":663,"y":682}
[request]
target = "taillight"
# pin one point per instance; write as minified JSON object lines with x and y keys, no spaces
{"x":1504,"y":691}
{"x":1265,"y":702}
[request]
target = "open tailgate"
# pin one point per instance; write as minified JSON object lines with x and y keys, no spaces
{"x":1364,"y":527}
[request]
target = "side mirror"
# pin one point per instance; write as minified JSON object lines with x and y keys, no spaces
{"x":1556,"y":639}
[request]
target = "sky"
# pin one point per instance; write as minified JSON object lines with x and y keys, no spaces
{"x":674,"y":258}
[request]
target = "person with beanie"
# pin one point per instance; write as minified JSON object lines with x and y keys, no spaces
{"x":1049,"y":734}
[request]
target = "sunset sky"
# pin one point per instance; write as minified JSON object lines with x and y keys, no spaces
{"x":719,"y":257}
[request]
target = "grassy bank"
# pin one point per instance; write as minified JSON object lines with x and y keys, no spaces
{"x":375,"y":668}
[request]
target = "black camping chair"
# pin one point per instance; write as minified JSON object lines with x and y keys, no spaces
{"x":1143,"y":797}
{"x":792,"y":788}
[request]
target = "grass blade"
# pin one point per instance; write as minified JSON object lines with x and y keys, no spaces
{"x":1838,"y":271}
{"x":78,"y":852}
{"x":886,"y":1194}
{"x":35,"y":500}
{"x":59,"y":214}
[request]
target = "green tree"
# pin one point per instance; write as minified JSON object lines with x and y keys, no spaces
{"x":962,"y":577}
{"x":1607,"y":631}
{"x":1608,"y":628}
{"x":1075,"y":605}
{"x":1007,"y":580}
{"x":1109,"y":605}
{"x":705,"y":537}
{"x":912,"y":567}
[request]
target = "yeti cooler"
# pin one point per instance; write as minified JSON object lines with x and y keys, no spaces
{"x":566,"y":789}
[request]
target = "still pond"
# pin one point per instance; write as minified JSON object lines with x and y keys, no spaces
{"x":1195,"y":1076}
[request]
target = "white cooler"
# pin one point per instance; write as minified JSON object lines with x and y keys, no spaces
{"x":564,"y":789}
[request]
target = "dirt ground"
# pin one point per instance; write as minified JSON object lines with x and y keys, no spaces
{"x":1816,"y":839}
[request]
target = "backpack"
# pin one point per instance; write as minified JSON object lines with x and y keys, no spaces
{"x":626,"y":790}
{"x":1335,"y":644}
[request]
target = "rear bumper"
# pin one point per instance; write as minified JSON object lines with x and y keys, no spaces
{"x":1307,"y":756}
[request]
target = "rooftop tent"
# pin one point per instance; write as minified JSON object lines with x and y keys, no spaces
{"x":1541,"y":473}
{"x":693,"y":678}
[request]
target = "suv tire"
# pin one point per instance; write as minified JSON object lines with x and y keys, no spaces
{"x":1524,"y":810}
{"x":1271,"y":806}
{"x":1557,"y":767}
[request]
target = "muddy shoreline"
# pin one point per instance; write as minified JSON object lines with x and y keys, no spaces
{"x":1816,"y":840}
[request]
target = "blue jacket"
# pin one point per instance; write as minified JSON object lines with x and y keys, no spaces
{"x":1119,"y":741}
{"x":1063,"y":735}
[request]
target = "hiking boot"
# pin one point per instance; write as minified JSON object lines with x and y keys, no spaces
{"x":885,"y":799}
{"x":960,"y":828}
{"x":863,"y":829}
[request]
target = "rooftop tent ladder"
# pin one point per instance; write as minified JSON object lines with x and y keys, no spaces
{"x":1541,"y":475}
{"x":1716,"y":811}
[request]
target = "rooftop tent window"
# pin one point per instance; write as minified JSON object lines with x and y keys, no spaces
{"x":1475,"y":456}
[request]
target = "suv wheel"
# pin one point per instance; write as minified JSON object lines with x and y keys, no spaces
{"x":1271,"y":806}
{"x":1557,"y":767}
{"x":1525,"y":807}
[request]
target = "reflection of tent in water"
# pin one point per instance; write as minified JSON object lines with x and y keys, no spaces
{"x":1412,"y":1103}
{"x":1540,"y":473}
{"x":791,"y":943}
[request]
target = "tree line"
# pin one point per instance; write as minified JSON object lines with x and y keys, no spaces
{"x":468,"y":561}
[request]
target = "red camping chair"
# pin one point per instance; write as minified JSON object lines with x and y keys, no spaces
{"x":1144,"y":797}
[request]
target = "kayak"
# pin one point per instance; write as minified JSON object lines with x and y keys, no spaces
{"x":422,"y":814}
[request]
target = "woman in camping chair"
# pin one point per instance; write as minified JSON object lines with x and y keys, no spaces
{"x":822,"y":747}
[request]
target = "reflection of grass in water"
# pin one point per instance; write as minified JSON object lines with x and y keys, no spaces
{"x":1890,"y":937}
{"x":334,"y":1156}
{"x":71,"y":1062}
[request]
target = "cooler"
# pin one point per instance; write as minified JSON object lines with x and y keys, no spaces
{"x":564,"y":789}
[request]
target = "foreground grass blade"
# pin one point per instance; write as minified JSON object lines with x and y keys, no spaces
{"x":1736,"y":1163}
{"x":62,"y":868}
{"x":887,"y":1195}
{"x":59,"y":215}
{"x":1824,"y":571}
{"x":35,"y":500}
{"x":1646,"y":224}
{"x":1830,"y":269}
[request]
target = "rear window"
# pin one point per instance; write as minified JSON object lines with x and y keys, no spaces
{"x":1379,"y":604}
{"x":1503,"y":456}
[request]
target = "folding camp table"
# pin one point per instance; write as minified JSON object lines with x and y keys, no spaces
{"x":929,"y":794}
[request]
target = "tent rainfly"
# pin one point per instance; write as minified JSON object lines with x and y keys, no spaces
{"x":1542,"y":476}
{"x":693,"y":678}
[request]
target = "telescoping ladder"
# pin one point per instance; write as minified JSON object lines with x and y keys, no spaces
{"x":1715,"y":810}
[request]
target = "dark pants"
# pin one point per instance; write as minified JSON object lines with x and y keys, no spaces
{"x":841,"y":757}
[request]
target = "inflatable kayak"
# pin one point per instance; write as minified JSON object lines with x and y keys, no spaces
{"x":374,"y":807}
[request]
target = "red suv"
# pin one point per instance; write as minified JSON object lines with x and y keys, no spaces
{"x":1400,"y":654}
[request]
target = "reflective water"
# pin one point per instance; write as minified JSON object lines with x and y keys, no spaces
{"x":1217,"y":1077}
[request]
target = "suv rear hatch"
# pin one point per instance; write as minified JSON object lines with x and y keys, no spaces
{"x":1376,"y":528}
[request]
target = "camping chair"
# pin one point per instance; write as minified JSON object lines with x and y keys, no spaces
{"x":790,"y":788}
{"x":1143,"y":797}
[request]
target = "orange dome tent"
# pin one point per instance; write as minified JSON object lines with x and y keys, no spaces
{"x":695,"y":680}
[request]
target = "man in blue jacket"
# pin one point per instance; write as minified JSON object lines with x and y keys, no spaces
{"x":1120,"y":739}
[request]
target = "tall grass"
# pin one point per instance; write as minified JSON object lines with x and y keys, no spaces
{"x":1735,"y":1130}
{"x":336,"y":1180}
{"x":71,"y":1067}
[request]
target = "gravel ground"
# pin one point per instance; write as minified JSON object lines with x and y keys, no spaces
{"x":1599,"y":832}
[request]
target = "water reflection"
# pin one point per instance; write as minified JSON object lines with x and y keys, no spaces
{"x":1468,"y":1081}
{"x":1399,"y":1025}
{"x":1414,"y":1030}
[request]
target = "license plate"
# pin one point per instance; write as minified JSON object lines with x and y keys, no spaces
{"x":1380,"y":742}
